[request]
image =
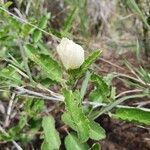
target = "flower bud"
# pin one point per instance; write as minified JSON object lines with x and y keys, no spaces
{"x":70,"y":53}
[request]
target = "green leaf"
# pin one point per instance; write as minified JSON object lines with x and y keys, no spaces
{"x":33,"y":107}
{"x":47,"y":82}
{"x":102,"y":90}
{"x":11,"y":75}
{"x":14,"y":131}
{"x":69,"y":21}
{"x":49,"y":66}
{"x":51,"y":136}
{"x":83,"y":128}
{"x":7,"y":5}
{"x":85,"y":84}
{"x":73,"y":143}
{"x":96,"y":131}
{"x":67,"y":119}
{"x":44,"y":49}
{"x":78,"y":73}
{"x":43,"y":22}
{"x":96,"y":96}
{"x":26,"y":29}
{"x":76,"y":116}
{"x":77,"y":120}
{"x":95,"y":146}
{"x":45,"y":146}
{"x":37,"y":34}
{"x":100,"y":83}
{"x":138,"y":115}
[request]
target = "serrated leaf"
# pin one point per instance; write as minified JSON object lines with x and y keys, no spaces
{"x":73,"y":143}
{"x":100,"y":83}
{"x":77,"y":73}
{"x":49,"y":66}
{"x":134,"y":115}
{"x":83,"y":129}
{"x":78,"y":118}
{"x":80,"y":126}
{"x":96,"y":131}
{"x":66,"y":118}
{"x":51,"y":136}
{"x":102,"y":89}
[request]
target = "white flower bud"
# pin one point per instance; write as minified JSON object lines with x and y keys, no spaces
{"x":70,"y":53}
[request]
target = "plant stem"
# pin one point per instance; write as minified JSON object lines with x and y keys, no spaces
{"x":6,"y":123}
{"x":57,"y":97}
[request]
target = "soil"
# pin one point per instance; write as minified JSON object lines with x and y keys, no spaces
{"x":124,"y":136}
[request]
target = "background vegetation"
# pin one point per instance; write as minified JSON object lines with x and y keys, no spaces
{"x":103,"y":104}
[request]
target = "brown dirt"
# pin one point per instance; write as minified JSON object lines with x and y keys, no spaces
{"x":124,"y":136}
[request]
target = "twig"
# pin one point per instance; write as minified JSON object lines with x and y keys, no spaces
{"x":115,"y":65}
{"x":19,"y":13}
{"x":127,"y":92}
{"x":130,"y":77}
{"x":51,"y":92}
{"x":14,"y":142}
{"x":25,"y":92}
{"x":140,"y":104}
{"x":7,"y":121}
